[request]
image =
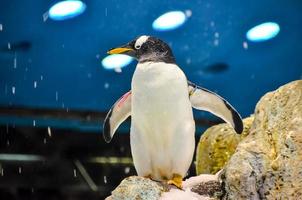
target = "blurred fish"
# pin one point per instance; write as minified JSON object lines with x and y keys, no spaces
{"x":17,"y":46}
{"x":216,"y":68}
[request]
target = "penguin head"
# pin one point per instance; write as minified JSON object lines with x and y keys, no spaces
{"x":146,"y":49}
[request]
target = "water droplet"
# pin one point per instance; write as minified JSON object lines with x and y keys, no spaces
{"x":8,"y":46}
{"x":45,"y":16}
{"x":106,"y":12}
{"x":15,"y":61}
{"x":97,"y":56}
{"x":35,"y":84}
{"x":216,"y":42}
{"x":14,"y":90}
{"x":105,"y":179}
{"x":127,"y":170}
{"x":20,"y":170}
{"x":57,"y":96}
{"x":32,"y":190}
{"x":74,"y":173}
{"x":216,"y":35}
{"x":44,"y":140}
{"x":34,"y":122}
{"x":212,"y":23}
{"x":41,"y":78}
{"x":1,"y":27}
{"x":106,"y":85}
{"x":63,"y":105}
{"x":7,"y":142}
{"x":89,"y":75}
{"x":188,"y":13}
{"x":188,"y":61}
{"x":118,"y":70}
{"x":49,"y":131}
{"x":2,"y":172}
{"x":245,"y":45}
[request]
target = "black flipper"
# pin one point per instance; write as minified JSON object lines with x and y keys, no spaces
{"x":118,"y":113}
{"x":203,"y":99}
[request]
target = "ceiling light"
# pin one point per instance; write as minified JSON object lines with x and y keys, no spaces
{"x":169,"y":21}
{"x":116,"y":61}
{"x":263,"y":32}
{"x":66,"y":9}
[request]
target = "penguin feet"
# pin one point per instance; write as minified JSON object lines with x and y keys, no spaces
{"x":176,"y":180}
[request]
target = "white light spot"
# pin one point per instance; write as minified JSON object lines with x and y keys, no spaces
{"x":49,"y":131}
{"x":66,"y":9}
{"x":106,"y":85}
{"x":44,"y":140}
{"x":118,"y":70}
{"x":45,"y":16}
{"x":188,"y":61}
{"x":35,"y":84}
{"x":245,"y":45}
{"x":57,"y":96}
{"x":116,"y":61}
{"x":188,"y":13}
{"x":20,"y":170}
{"x":169,"y":21}
{"x":216,"y":42}
{"x":8,"y":46}
{"x":263,"y":32}
{"x":212,"y":23}
{"x":74,"y":173}
{"x":14,"y":90}
{"x":2,"y":172}
{"x":34,"y":122}
{"x":15,"y":61}
{"x":105,"y":179}
{"x":216,"y":35}
{"x":41,"y":78}
{"x":1,"y":27}
{"x":127,"y":170}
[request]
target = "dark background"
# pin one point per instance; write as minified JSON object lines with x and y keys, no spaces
{"x":73,"y":91}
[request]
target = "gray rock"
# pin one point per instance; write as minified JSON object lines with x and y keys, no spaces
{"x":268,"y":162}
{"x":137,"y":188}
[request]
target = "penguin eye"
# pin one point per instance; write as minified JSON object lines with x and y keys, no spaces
{"x":138,"y":46}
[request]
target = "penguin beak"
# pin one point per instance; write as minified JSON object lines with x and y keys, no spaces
{"x":126,"y":49}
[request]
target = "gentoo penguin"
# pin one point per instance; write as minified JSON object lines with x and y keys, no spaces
{"x":160,"y":104}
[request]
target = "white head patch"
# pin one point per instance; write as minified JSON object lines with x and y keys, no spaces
{"x":140,"y":41}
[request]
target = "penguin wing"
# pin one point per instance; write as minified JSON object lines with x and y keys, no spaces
{"x":118,"y":113}
{"x":203,"y":99}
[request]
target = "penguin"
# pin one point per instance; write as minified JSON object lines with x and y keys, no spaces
{"x":160,"y":104}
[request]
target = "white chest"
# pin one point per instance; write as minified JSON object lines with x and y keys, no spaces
{"x":159,"y":94}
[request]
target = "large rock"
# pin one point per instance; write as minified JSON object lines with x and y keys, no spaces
{"x":216,"y":145}
{"x":203,"y":187}
{"x":268,"y":162}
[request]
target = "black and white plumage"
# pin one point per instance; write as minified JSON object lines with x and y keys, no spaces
{"x":160,"y":103}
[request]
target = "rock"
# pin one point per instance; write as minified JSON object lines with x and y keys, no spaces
{"x":216,"y":145}
{"x":203,"y":187}
{"x":137,"y":188}
{"x":268,"y":162}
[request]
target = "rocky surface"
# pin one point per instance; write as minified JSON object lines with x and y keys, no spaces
{"x":217,"y":144}
{"x":203,"y":187}
{"x":268,"y":162}
{"x":137,"y":188}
